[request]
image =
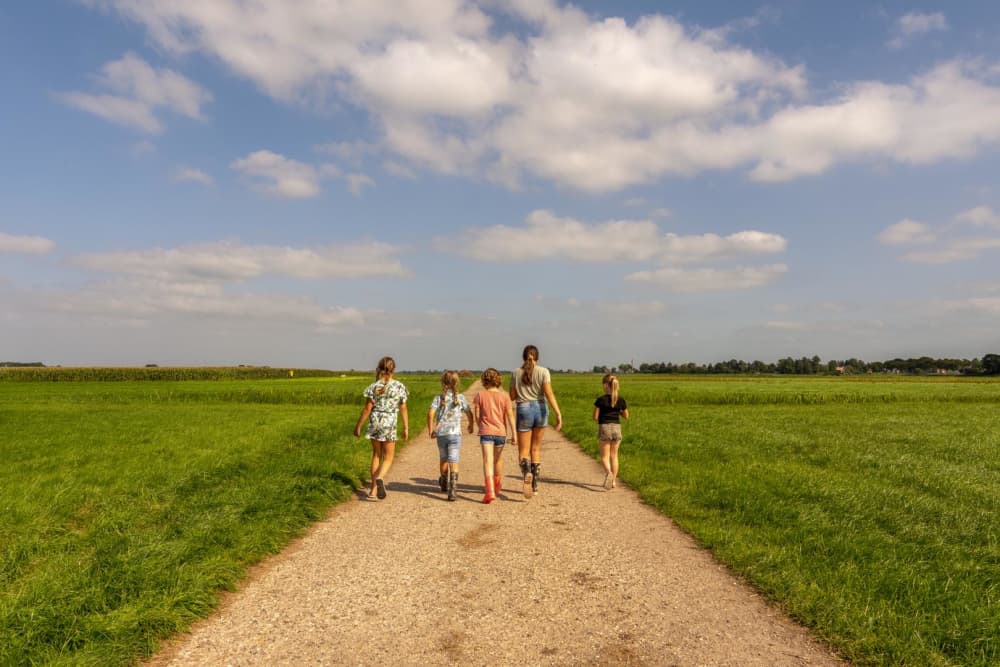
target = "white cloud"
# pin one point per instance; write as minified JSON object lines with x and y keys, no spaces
{"x":547,"y":236}
{"x":192,"y":175}
{"x":136,"y":90}
{"x":25,"y":245}
{"x":226,"y":261}
{"x":980,"y":216}
{"x":954,"y":250}
{"x":950,"y":245}
{"x":710,"y":279}
{"x":356,"y":183}
{"x":281,"y":176}
{"x":914,"y":24}
{"x":906,"y":232}
{"x":143,"y":300}
{"x":661,"y":213}
{"x":518,"y":90}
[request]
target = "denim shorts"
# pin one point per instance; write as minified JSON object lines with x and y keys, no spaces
{"x":448,"y":446}
{"x":495,"y":440}
{"x":532,"y":414}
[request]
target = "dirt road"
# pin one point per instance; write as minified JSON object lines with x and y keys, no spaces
{"x":574,"y":576}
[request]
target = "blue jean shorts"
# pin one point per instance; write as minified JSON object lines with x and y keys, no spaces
{"x":448,"y":447}
{"x":495,"y":440}
{"x":532,"y":414}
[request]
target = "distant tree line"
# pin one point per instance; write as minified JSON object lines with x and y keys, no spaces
{"x":988,"y":365}
{"x":21,"y":364}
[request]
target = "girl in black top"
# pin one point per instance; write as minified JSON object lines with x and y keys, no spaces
{"x":608,"y":411}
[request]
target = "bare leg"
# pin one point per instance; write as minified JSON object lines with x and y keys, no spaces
{"x":614,"y":462}
{"x":388,"y":454}
{"x":536,"y":444}
{"x":498,"y":461}
{"x":376,"y":462}
{"x":488,"y":459}
{"x":606,"y":456}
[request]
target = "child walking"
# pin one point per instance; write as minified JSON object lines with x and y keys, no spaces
{"x":444,"y":422}
{"x":608,"y":411}
{"x":495,"y":416}
{"x":386,"y":402}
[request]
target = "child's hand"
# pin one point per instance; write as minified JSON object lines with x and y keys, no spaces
{"x":357,"y":431}
{"x":406,"y":433}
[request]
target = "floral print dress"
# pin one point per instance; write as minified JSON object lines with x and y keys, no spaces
{"x":385,"y":409}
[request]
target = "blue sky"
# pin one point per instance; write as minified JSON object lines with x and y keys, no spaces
{"x":322,"y":183}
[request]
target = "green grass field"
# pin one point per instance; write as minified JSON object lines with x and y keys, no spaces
{"x":126,"y":506}
{"x":867,"y":508}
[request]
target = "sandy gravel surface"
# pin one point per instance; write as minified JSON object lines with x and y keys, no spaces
{"x":574,"y":576}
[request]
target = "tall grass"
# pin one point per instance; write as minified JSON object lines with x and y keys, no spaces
{"x":125,"y":508}
{"x":868,"y":511}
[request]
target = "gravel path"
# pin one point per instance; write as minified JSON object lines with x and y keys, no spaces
{"x":574,"y":576}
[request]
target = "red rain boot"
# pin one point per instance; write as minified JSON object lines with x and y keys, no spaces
{"x":496,"y":485}
{"x":489,"y":497}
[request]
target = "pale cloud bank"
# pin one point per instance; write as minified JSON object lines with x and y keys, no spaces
{"x":949,"y":242}
{"x":25,"y":245}
{"x":192,"y":175}
{"x":280,"y":176}
{"x":596,"y":104}
{"x":700,"y":280}
{"x":914,"y":24}
{"x":547,"y":236}
{"x":232,"y":261}
{"x":135,"y":91}
{"x":142,"y":301}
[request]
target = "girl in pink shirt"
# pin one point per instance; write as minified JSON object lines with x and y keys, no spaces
{"x":495,"y":415}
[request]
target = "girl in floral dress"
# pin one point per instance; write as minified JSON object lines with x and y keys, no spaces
{"x":444,"y":422}
{"x":386,"y":401}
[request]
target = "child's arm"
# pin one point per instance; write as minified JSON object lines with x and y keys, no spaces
{"x":406,"y":421}
{"x":476,"y":414}
{"x":510,"y":424}
{"x":597,"y":413}
{"x":367,"y":410}
{"x":472,"y":422}
{"x":430,"y":421}
{"x":625,"y":413}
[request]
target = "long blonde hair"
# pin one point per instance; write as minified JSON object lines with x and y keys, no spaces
{"x":611,"y":382}
{"x":530,"y":356}
{"x":384,"y":371}
{"x":449,"y":382}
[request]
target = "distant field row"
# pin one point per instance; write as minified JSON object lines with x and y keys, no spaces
{"x":121,"y":374}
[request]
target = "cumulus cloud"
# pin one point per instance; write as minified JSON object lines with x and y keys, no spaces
{"x":980,"y":216}
{"x":144,"y":300}
{"x":914,"y":24}
{"x":356,"y":183}
{"x":192,"y":175}
{"x":681,"y":280}
{"x":281,"y":176}
{"x":906,"y":232}
{"x":227,"y":261}
{"x":518,"y":90}
{"x":547,"y":236}
{"x":25,"y":245}
{"x":135,"y":91}
{"x":949,"y":240}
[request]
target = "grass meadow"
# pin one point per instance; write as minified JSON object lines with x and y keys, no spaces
{"x":126,"y":506}
{"x":867,"y":508}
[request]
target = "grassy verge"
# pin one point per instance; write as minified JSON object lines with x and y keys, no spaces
{"x":125,"y":508}
{"x":868,"y":510}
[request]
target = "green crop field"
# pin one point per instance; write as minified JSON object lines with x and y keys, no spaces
{"x":126,"y":506}
{"x":867,"y":508}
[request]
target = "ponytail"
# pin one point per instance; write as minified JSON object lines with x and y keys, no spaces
{"x":611,"y":382}
{"x":386,"y":367}
{"x":530,"y":356}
